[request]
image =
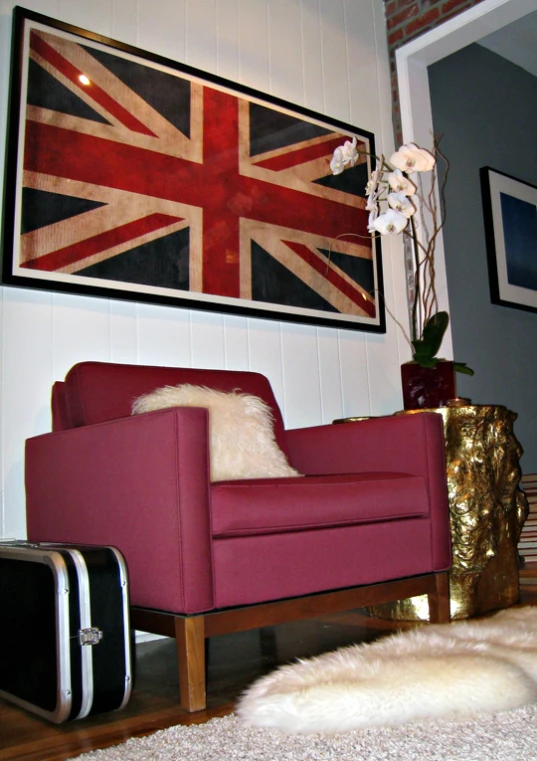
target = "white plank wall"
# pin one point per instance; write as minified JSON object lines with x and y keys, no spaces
{"x":328,"y":55}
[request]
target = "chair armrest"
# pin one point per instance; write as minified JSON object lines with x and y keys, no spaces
{"x":411,"y":444}
{"x":398,"y":443}
{"x":140,"y":484}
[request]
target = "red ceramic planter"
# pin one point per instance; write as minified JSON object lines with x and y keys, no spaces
{"x":427,"y":388}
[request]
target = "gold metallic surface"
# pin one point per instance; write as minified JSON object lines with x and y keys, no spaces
{"x":351,"y":419}
{"x":487,"y":512}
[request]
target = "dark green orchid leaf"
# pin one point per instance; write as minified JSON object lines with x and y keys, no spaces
{"x":425,"y":361}
{"x":462,"y":367}
{"x":426,"y":347}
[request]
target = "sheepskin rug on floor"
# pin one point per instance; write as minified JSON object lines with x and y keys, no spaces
{"x":458,"y":670}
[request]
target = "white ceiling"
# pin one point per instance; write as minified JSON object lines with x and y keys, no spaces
{"x":517,"y":42}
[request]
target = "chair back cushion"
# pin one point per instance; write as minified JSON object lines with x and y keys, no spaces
{"x":94,"y":392}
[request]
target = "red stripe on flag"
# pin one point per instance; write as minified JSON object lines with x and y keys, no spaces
{"x":336,"y":280}
{"x":211,"y":186}
{"x":222,"y":189}
{"x":50,"y":55}
{"x":301,"y":155}
{"x":81,"y":250}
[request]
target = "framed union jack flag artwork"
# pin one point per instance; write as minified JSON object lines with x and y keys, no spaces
{"x":132,"y":176}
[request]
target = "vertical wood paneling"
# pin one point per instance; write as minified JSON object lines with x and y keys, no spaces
{"x":227,"y":40}
{"x":396,"y":345}
{"x":253,"y":44}
{"x":286,"y":70}
{"x":123,"y":331}
{"x":81,"y":331}
{"x":334,"y":58}
{"x":355,"y":380}
{"x":382,"y":88}
{"x":386,"y":353}
{"x":3,"y":512}
{"x":5,"y":44}
{"x":162,"y":27}
{"x":301,"y":376}
{"x":310,"y":38}
{"x":207,"y":339}
{"x":363,"y":72}
{"x":26,"y":383}
{"x":124,"y":22}
{"x":236,"y":348}
{"x":201,"y":34}
{"x":368,"y":81}
{"x":265,"y":352}
{"x":163,"y":336}
{"x":46,"y":7}
{"x":329,"y":374}
{"x":326,"y":54}
{"x":95,"y":15}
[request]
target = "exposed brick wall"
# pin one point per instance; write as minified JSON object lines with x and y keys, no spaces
{"x":408,"y":19}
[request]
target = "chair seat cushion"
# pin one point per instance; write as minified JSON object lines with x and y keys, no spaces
{"x":267,"y":506}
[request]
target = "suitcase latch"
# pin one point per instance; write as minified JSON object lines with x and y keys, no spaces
{"x":90,"y":636}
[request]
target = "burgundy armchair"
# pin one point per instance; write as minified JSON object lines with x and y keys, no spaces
{"x":367,"y":523}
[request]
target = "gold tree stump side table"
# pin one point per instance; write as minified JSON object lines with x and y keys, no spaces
{"x":487,"y":512}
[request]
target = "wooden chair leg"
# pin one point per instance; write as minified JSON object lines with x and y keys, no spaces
{"x":439,"y":601}
{"x":190,"y":643}
{"x":268,"y":645}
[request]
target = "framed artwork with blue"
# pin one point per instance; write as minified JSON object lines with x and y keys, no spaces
{"x":133,"y":176}
{"x":510,"y":213}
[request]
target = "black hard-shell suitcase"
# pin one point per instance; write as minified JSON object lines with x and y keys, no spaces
{"x":65,"y":647}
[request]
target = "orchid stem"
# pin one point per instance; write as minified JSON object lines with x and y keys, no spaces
{"x":415,"y":303}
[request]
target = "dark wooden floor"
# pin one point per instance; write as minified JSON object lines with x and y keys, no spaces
{"x":234,"y":662}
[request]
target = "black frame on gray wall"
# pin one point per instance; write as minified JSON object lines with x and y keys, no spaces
{"x":510,"y":216}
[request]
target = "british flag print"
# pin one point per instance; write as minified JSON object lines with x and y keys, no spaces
{"x":145,"y":180}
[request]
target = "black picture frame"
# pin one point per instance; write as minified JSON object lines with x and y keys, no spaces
{"x":132,"y":176}
{"x":510,"y":216}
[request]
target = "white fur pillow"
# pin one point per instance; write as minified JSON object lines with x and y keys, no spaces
{"x":241,"y":428}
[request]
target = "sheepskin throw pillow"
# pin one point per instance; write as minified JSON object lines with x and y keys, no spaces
{"x":241,"y":428}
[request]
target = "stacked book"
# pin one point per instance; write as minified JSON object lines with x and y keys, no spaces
{"x":527,"y":545}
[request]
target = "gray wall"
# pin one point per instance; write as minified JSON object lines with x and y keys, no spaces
{"x":486,"y":108}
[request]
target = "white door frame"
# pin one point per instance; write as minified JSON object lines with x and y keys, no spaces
{"x":414,"y":95}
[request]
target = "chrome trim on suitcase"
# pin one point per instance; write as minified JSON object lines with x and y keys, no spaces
{"x":58,"y":567}
{"x":85,"y":624}
{"x":124,"y":579}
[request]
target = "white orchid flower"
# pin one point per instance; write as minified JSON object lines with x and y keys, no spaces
{"x":350,"y":152}
{"x":345,"y":155}
{"x":374,"y":191}
{"x":337,"y":164}
{"x":372,"y":202}
{"x":390,"y":223}
{"x":373,"y":216}
{"x":410,"y":158}
{"x":372,"y":206}
{"x":376,"y":177}
{"x":401,"y":184}
{"x":401,"y":203}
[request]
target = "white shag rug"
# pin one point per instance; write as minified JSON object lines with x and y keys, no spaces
{"x":509,"y":736}
{"x":446,"y":671}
